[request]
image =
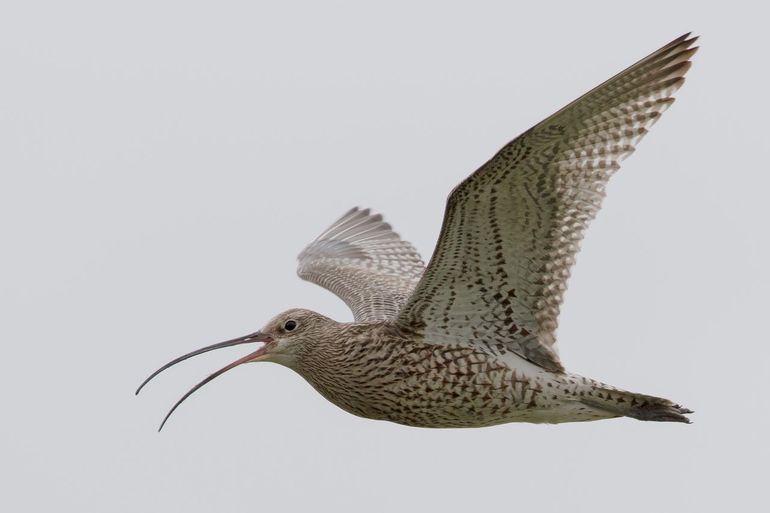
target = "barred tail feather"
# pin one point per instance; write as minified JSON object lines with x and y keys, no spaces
{"x":638,"y":406}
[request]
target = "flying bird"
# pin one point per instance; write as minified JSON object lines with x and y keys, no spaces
{"x":469,"y":340}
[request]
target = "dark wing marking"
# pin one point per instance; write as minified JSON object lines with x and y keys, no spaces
{"x":511,"y":230}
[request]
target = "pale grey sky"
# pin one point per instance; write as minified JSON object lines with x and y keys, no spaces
{"x":164,"y":162}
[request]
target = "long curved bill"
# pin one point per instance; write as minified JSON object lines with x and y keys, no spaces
{"x":254,"y":337}
{"x":254,"y":356}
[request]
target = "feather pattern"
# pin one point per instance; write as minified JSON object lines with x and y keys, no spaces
{"x":511,"y":230}
{"x":469,"y":341}
{"x":364,"y":262}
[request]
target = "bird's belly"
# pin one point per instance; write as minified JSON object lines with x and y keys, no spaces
{"x":434,"y":386}
{"x":482,"y":395}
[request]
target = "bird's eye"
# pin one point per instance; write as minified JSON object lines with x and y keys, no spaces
{"x":290,"y":325}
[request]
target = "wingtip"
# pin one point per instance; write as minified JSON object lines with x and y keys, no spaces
{"x":683,"y":41}
{"x":687,"y":36}
{"x":689,"y":41}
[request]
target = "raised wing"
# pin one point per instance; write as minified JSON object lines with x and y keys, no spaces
{"x":364,"y":262}
{"x":511,"y":230}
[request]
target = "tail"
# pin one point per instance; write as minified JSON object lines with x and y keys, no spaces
{"x":637,"y":406}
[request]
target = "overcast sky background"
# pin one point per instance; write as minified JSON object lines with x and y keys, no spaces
{"x":162,"y":164}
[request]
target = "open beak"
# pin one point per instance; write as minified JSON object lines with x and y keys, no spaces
{"x":257,"y":355}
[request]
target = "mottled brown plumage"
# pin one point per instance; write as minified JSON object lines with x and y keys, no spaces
{"x":469,"y":340}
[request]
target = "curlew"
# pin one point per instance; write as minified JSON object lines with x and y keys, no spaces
{"x":469,"y":339}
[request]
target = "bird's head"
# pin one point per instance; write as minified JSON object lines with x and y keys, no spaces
{"x":289,"y":335}
{"x":285,"y":339}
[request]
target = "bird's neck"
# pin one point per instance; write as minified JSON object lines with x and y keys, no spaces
{"x":335,"y":343}
{"x":339,"y":364}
